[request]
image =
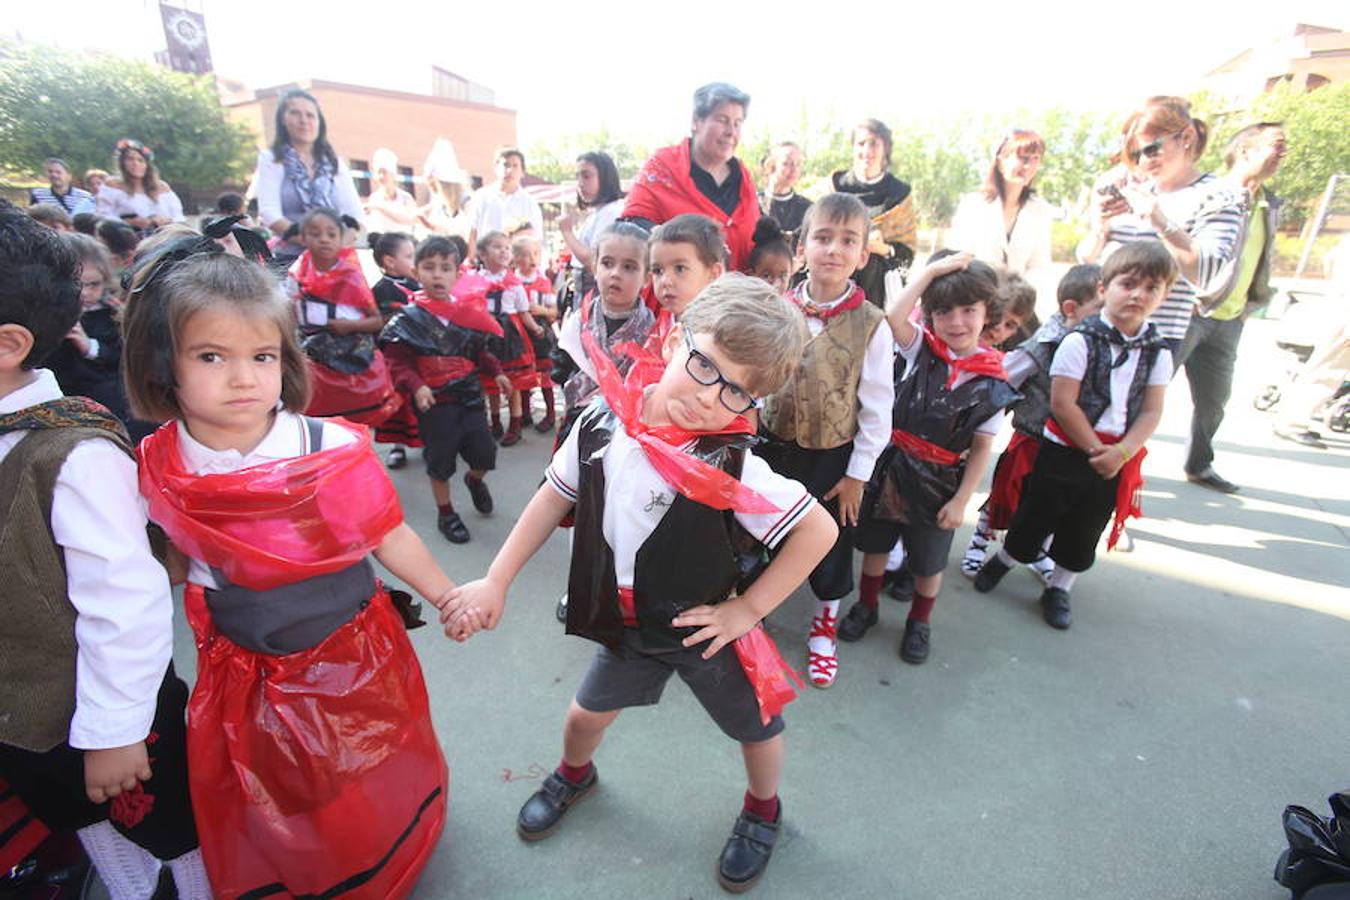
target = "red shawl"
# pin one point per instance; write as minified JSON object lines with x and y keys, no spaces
{"x":343,"y":284}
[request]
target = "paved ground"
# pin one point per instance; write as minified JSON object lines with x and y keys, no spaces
{"x":1148,"y":752}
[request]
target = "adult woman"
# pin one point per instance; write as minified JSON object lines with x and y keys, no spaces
{"x":300,"y":171}
{"x":889,"y":202}
{"x":447,"y":184}
{"x":1163,"y":196}
{"x":389,"y":207}
{"x":145,"y":202}
{"x":600,"y":199}
{"x":702,"y":174}
{"x":1006,"y":222}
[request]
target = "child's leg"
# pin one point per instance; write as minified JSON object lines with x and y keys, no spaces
{"x":494,"y":412}
{"x":440,"y":492}
{"x":764,"y":768}
{"x":978,"y":548}
{"x":874,"y":564}
{"x":526,"y":407}
{"x":583,"y":731}
{"x":514,"y":404}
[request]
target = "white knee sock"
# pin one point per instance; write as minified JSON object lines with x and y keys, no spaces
{"x":129,"y":871}
{"x":189,"y":876}
{"x":1062,"y":578}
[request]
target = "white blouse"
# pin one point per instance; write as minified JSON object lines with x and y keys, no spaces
{"x":978,"y":228}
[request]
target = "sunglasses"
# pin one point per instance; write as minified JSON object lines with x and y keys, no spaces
{"x":1152,"y":148}
{"x":732,"y":396}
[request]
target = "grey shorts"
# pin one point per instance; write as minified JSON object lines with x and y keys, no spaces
{"x":634,"y":678}
{"x":926,"y":546}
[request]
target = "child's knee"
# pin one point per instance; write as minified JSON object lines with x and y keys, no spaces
{"x":581,"y":719}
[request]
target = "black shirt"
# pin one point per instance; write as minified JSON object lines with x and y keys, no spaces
{"x":789,"y":212}
{"x":725,"y":196}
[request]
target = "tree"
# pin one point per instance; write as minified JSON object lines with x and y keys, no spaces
{"x":78,"y":105}
{"x":556,"y":160}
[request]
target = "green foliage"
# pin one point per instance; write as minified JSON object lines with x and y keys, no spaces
{"x":556,"y":160}
{"x":78,"y":105}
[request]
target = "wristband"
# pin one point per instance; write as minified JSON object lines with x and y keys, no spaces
{"x":1125,"y":456}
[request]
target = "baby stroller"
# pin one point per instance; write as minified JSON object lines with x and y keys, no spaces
{"x":1318,"y":361}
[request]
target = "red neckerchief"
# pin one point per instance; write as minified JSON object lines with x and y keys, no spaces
{"x":275,"y":523}
{"x":1130,"y":487}
{"x":343,"y":284}
{"x":465,"y":308}
{"x":819,"y":311}
{"x":683,"y":472}
{"x":500,"y":280}
{"x":539,"y":284}
{"x":985,"y":361}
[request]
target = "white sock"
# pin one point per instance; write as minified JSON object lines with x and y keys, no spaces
{"x":129,"y":871}
{"x":1062,"y":578}
{"x":189,"y":876}
{"x":897,"y":557}
{"x":828,"y":610}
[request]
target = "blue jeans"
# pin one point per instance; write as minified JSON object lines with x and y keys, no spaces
{"x":1209,"y":354}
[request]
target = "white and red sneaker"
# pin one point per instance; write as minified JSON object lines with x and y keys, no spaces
{"x":822,"y":646}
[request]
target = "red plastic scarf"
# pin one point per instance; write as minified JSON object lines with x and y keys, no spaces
{"x":984,"y":362}
{"x":343,"y":284}
{"x":274,"y":523}
{"x":692,"y":477}
{"x":1129,"y":489}
{"x":467,"y":306}
{"x":819,"y":311}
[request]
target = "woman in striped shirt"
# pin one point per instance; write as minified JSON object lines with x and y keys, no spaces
{"x":1161,"y":195}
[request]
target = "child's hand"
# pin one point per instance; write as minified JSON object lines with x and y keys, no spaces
{"x":109,"y":772}
{"x":505,"y":384}
{"x":1106,"y":460}
{"x":478,"y":603}
{"x":877,"y":244}
{"x":339,"y":326}
{"x":949,"y":264}
{"x":424,"y":399}
{"x":722,"y":623}
{"x":849,"y":491}
{"x":952,"y":512}
{"x":77,"y":337}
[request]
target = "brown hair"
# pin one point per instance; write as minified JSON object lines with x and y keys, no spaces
{"x":1079,"y":284}
{"x":976,"y":283}
{"x":1244,"y":139}
{"x":877,"y":129}
{"x":507,"y":152}
{"x":1144,"y":259}
{"x":49,"y":214}
{"x":752,"y":325}
{"x":1016,"y":296}
{"x":93,"y":255}
{"x":1165,"y":115}
{"x":1017,"y":142}
{"x":837,"y":209}
{"x":162,"y":302}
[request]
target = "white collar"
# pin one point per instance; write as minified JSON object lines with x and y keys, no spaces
{"x":805,"y":295}
{"x":285,"y":439}
{"x":40,"y":390}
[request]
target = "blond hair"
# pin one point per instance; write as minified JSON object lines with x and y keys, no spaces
{"x":753,"y":325}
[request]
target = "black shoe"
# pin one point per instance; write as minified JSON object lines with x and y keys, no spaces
{"x":1214,"y":481}
{"x":561,"y":611}
{"x":452,"y":526}
{"x":902,"y":585}
{"x":540,"y":815}
{"x":914,"y":642}
{"x":496,"y":429}
{"x":397,"y":459}
{"x":1055,"y":608}
{"x":747,"y":851}
{"x":479,"y":493}
{"x":856,"y":622}
{"x":511,"y":438}
{"x":544,"y":425}
{"x":991,"y":573}
{"x":1306,"y":438}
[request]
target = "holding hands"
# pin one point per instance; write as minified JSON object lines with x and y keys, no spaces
{"x":471,"y":608}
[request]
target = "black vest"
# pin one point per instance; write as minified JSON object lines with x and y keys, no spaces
{"x":696,"y":555}
{"x":913,"y":490}
{"x":425,"y":334}
{"x":1106,"y":349}
{"x":1030,"y":413}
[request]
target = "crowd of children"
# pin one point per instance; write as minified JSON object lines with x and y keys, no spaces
{"x":721,"y":439}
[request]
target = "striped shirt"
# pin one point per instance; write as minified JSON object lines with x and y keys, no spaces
{"x":1211,"y":211}
{"x":74,"y":201}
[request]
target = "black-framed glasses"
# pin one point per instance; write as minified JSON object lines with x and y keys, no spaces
{"x":1152,"y":148}
{"x":735,"y":398}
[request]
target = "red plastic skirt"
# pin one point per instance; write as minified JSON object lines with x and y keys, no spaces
{"x":317,"y":773}
{"x":368,"y":398}
{"x":1010,"y":474}
{"x":520,"y":371}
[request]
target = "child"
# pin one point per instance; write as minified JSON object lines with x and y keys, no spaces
{"x":1028,"y":369}
{"x":1106,"y":396}
{"x":393,"y":253}
{"x":1018,"y":299}
{"x":92,"y":736}
{"x":652,"y":476}
{"x":311,"y":741}
{"x":51,"y":215}
{"x":948,"y":408}
{"x":771,"y":259}
{"x":339,"y":321}
{"x":686,"y":254}
{"x":543,"y":311}
{"x":827,"y":425}
{"x":437,"y":347}
{"x":510,"y":306}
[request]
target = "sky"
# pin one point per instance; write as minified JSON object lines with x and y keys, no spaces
{"x":632,"y":67}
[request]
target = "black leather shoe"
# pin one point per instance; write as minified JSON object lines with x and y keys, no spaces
{"x":1055,"y":608}
{"x":540,"y":815}
{"x":1214,"y":481}
{"x":856,"y":622}
{"x":747,"y":851}
{"x":452,"y":526}
{"x":902,"y":585}
{"x":479,"y":493}
{"x":991,"y":573}
{"x":914,"y":642}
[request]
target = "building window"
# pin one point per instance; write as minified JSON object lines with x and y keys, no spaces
{"x":361,"y":173}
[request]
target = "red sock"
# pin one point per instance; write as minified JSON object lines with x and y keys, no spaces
{"x":575,"y":774}
{"x":921,"y":607}
{"x":445,"y":509}
{"x":869,"y":590}
{"x":765,"y":809}
{"x":515,"y":424}
{"x":548,"y":402}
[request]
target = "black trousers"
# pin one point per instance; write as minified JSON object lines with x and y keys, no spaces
{"x":819,"y":471}
{"x":157,"y":817}
{"x":1063,"y":496}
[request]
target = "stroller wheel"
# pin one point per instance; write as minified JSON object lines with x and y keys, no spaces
{"x":1338,"y":415}
{"x":1266,"y":399}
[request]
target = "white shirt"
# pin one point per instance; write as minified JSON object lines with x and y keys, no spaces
{"x":910,"y":353}
{"x":876,"y":391}
{"x":1071,"y":362}
{"x":595,"y":225}
{"x":379,"y":221}
{"x":165,"y":203}
{"x":514,"y":298}
{"x":636,"y":497}
{"x":978,"y":227}
{"x":287,"y":438}
{"x":493,"y":211}
{"x":106,"y":200}
{"x":123,"y":605}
